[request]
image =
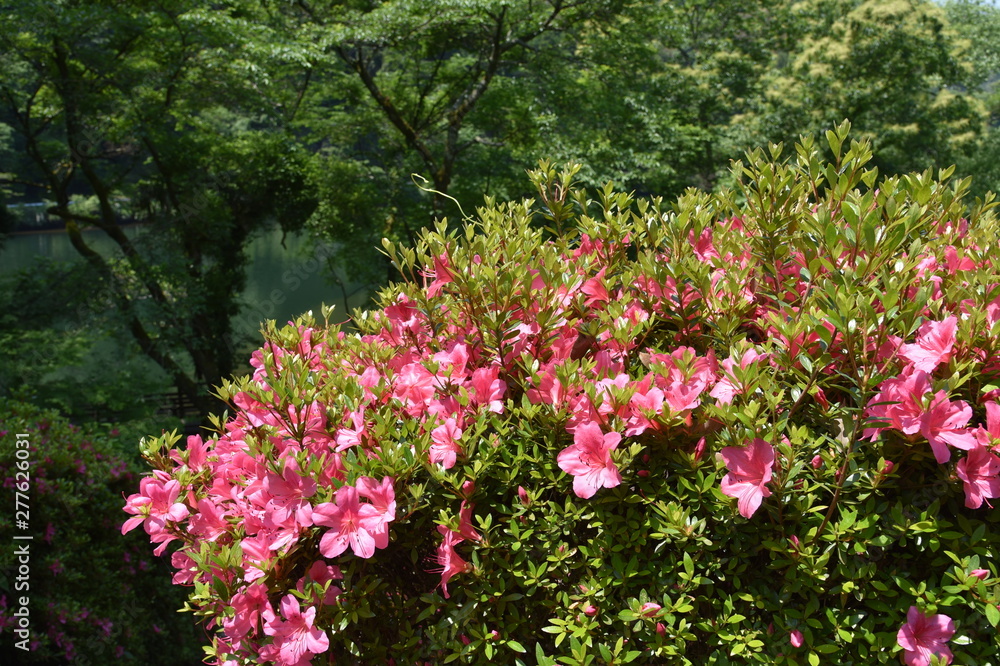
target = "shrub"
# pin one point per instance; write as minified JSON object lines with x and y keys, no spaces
{"x":753,"y":427}
{"x":94,"y":598}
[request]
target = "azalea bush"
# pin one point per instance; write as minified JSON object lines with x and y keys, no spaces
{"x":93,"y":597}
{"x":752,"y":427}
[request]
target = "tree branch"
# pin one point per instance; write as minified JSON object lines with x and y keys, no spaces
{"x":395,"y":117}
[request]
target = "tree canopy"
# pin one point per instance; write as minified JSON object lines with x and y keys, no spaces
{"x":365,"y":119}
{"x":134,"y":113}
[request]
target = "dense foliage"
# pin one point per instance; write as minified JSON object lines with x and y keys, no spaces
{"x":757,"y":426}
{"x":133,"y":113}
{"x":94,"y":597}
{"x":209,"y":121}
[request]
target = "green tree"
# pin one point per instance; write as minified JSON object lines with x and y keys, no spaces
{"x":443,"y":90}
{"x":139,"y":112}
{"x":891,"y":67}
{"x":657,"y":97}
{"x":977,"y":26}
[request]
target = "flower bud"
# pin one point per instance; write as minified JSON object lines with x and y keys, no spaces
{"x":523,"y":494}
{"x":590,"y":610}
{"x":796,"y":638}
{"x":649,"y":609}
{"x":817,"y":462}
{"x":981,"y":574}
{"x":699,"y":449}
{"x":821,"y":399}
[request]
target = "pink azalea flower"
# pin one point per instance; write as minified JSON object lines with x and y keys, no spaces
{"x":351,"y":524}
{"x":682,"y":397}
{"x":645,"y":403}
{"x":446,"y":448}
{"x":258,"y":549}
{"x":414,"y":388}
{"x":549,"y":390}
{"x":441,"y":274}
{"x":404,"y":319}
{"x":589,"y":460}
{"x":296,"y":638}
{"x":595,"y":289}
{"x":249,"y":605}
{"x":899,"y":403}
{"x":979,"y":472}
{"x":307,"y":421}
{"x":196,"y":453}
{"x":488,"y":388}
{"x":703,"y":248}
{"x":348,"y":437}
{"x":935,"y":341}
{"x":992,"y":430}
{"x":451,"y":365}
{"x":465,"y":528}
{"x":749,"y":473}
{"x":943,"y":423}
{"x":448,"y":559}
{"x":796,"y":638}
{"x":925,"y":635}
{"x":383,"y":498}
{"x":727,"y":388}
{"x":154,"y":504}
{"x":288,"y":494}
{"x":954,"y":264}
{"x":322,"y":573}
{"x":187,"y":571}
{"x":210,"y":521}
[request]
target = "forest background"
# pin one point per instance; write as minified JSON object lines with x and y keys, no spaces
{"x":210,"y":123}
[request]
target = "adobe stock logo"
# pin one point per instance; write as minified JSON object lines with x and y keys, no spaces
{"x":305,"y":271}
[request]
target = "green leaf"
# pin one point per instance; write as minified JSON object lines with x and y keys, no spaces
{"x":992,"y":614}
{"x":515,"y":646}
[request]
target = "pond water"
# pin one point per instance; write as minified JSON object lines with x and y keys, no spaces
{"x":284,"y":280}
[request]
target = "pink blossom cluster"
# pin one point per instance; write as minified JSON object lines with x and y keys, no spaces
{"x":908,"y":403}
{"x":283,"y":482}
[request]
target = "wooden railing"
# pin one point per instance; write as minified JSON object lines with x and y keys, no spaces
{"x":170,"y":403}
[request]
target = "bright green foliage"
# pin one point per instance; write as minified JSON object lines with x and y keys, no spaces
{"x":664,"y":95}
{"x":977,"y":25}
{"x":94,"y":597}
{"x":583,"y":302}
{"x":892,"y":68}
{"x":656,"y":96}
